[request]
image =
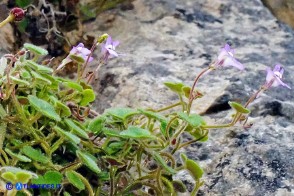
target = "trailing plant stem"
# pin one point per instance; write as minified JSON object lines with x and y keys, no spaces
{"x":191,"y":97}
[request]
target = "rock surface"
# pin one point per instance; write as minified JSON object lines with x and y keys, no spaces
{"x":172,"y":40}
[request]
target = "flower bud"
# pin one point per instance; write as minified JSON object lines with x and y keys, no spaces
{"x":18,"y":13}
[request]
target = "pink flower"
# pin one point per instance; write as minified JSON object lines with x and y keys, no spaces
{"x":108,"y":49}
{"x":226,"y":58}
{"x":274,"y":77}
{"x":80,"y":50}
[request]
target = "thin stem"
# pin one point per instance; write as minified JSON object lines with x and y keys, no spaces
{"x":168,"y":126}
{"x":10,"y":18}
{"x":89,"y":56}
{"x":192,"y":141}
{"x":158,"y":179}
{"x":111,"y":174}
{"x":195,"y":190}
{"x":191,"y":97}
{"x":167,"y":107}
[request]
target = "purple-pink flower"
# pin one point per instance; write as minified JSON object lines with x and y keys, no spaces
{"x":80,"y":50}
{"x":108,"y":49}
{"x":226,"y":58}
{"x":274,"y":77}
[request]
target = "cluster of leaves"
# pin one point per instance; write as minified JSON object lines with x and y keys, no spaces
{"x":57,"y":23}
{"x":50,"y":135}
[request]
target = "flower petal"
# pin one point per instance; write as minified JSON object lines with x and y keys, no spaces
{"x":230,"y":61}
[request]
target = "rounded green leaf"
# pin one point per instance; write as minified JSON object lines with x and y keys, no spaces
{"x":89,"y":161}
{"x":34,"y":154}
{"x":76,"y":129}
{"x":88,"y":96}
{"x":39,"y":68}
{"x":73,"y":85}
{"x":35,"y":49}
{"x":19,"y":157}
{"x":97,"y":124}
{"x":239,"y":108}
{"x":121,"y":113}
{"x":194,"y":169}
{"x":23,"y":177}
{"x":186,"y":90}
{"x":9,"y":176}
{"x":137,"y":133}
{"x":194,"y":120}
{"x":175,"y":86}
{"x":43,"y":107}
{"x":73,"y":138}
{"x":74,"y":179}
{"x":50,"y":177}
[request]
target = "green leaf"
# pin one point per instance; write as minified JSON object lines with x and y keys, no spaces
{"x":43,"y":107}
{"x":25,"y":74}
{"x":50,"y":177}
{"x":186,"y":90}
{"x":66,"y":194}
{"x":73,"y":85}
{"x":74,"y":179}
{"x":168,"y":185}
{"x":198,"y":133}
{"x":40,"y":78}
{"x":34,"y":154}
{"x":162,"y":163}
{"x":39,"y":68}
{"x":111,"y":132}
{"x":179,"y":186}
{"x":76,"y":129}
{"x":19,"y":81}
{"x":65,"y":111}
{"x":239,"y":108}
{"x":9,"y":177}
{"x":114,"y":147}
{"x":194,"y":120}
{"x":35,"y":49}
{"x":19,"y":157}
{"x":73,"y":138}
{"x":97,"y":124}
{"x":137,"y":133}
{"x":184,"y":158}
{"x":175,"y":86}
{"x":23,"y":177}
{"x":23,"y":3}
{"x":121,"y":113}
{"x":89,"y":161}
{"x":154,"y":115}
{"x":88,"y":96}
{"x":194,"y":169}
